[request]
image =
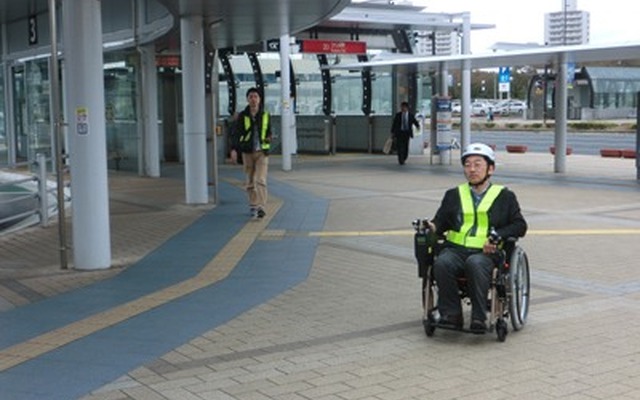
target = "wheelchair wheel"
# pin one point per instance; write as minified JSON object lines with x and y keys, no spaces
{"x":519,"y":286}
{"x":429,"y":326}
{"x":501,"y":329}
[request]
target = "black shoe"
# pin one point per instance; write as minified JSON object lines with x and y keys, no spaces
{"x":478,"y":327}
{"x":261,"y":213}
{"x":451,"y":322}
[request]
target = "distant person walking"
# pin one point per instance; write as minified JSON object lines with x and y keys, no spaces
{"x":252,"y":138}
{"x":402,"y":131}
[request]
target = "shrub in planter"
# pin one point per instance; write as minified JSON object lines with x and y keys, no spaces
{"x":552,"y":150}
{"x":612,"y":153}
{"x":516,"y":148}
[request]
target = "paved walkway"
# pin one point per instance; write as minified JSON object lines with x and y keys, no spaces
{"x":321,"y":299}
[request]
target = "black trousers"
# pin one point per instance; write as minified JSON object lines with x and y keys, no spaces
{"x":476,"y":266}
{"x":402,"y":145}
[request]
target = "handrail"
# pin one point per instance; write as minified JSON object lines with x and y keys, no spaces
{"x":34,"y":199}
{"x":18,"y":181}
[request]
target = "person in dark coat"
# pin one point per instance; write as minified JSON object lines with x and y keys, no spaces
{"x":402,"y":131}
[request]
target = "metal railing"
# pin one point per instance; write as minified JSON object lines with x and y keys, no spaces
{"x":27,"y":201}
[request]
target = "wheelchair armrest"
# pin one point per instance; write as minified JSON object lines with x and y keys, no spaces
{"x":508,"y":245}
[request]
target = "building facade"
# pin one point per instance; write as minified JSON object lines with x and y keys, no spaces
{"x":567,"y":27}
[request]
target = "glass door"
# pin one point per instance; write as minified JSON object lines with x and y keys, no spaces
{"x":31,"y":110}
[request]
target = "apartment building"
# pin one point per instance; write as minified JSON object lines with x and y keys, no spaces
{"x":569,"y":26}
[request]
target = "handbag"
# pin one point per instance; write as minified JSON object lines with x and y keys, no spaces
{"x":388,"y":144}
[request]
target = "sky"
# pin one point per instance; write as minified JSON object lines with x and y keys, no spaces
{"x":520,"y":21}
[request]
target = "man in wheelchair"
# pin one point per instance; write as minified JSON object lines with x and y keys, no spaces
{"x":473,"y":218}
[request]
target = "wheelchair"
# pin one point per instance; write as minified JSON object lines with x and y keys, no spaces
{"x":508,"y":297}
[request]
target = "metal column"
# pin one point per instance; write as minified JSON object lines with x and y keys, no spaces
{"x":287,"y":111}
{"x":193,"y":88}
{"x":465,"y":119}
{"x":560,"y":158}
{"x":151,"y":134}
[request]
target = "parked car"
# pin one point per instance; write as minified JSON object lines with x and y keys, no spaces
{"x":508,"y":107}
{"x":481,"y":108}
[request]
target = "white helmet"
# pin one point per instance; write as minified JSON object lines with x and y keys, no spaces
{"x":479,"y":149}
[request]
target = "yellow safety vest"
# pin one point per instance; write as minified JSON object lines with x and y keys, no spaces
{"x":264,"y":144}
{"x":471,"y":217}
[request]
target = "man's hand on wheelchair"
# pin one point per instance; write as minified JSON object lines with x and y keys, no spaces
{"x":491,"y":245}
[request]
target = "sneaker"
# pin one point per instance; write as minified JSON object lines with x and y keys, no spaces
{"x":478,"y":326}
{"x":451,"y":322}
{"x":260,"y":213}
{"x":254,"y":212}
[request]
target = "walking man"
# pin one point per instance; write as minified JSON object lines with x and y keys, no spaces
{"x":252,"y":138}
{"x":401,"y":130}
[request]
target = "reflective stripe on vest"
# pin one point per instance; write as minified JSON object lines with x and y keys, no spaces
{"x":471,"y":216}
{"x":264,"y":145}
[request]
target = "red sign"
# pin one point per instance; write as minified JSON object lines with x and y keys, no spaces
{"x":166,"y":60}
{"x":333,"y":47}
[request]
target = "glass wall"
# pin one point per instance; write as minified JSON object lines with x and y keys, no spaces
{"x":223,"y":92}
{"x":614,"y":87}
{"x":4,"y":150}
{"x":346,"y":90}
{"x":308,"y":84}
{"x":244,"y":80}
{"x":346,"y":86}
{"x":382,"y":93}
{"x":121,"y":110}
{"x":424,"y":95}
{"x":270,"y":66}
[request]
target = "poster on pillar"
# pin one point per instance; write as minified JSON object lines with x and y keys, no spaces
{"x":82,"y":121}
{"x":442,"y":122}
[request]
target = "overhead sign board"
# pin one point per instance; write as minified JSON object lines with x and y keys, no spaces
{"x":332,"y":46}
{"x":273,"y":45}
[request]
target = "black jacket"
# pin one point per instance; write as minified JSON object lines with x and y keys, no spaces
{"x":504,"y":214}
{"x":396,"y":126}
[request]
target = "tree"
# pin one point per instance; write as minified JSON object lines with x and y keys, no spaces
{"x":484,"y":83}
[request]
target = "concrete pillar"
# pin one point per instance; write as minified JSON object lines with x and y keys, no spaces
{"x":193,"y":95}
{"x":287,"y":105}
{"x":151,"y":133}
{"x":84,"y":89}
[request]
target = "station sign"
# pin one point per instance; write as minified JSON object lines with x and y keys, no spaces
{"x":332,"y":46}
{"x":273,"y":45}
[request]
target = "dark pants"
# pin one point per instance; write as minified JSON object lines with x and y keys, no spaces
{"x":402,"y":145}
{"x":472,"y":264}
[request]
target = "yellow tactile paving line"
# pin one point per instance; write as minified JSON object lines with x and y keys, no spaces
{"x":218,"y":268}
{"x":550,"y":232}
